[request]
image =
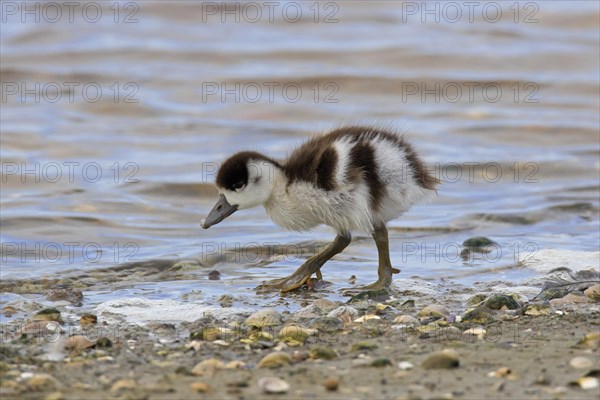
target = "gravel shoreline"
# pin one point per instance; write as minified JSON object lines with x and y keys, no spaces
{"x":500,"y":347}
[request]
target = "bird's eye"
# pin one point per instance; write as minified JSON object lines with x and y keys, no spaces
{"x":237,"y":185}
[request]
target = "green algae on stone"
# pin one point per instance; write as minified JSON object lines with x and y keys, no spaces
{"x":498,"y":301}
{"x":376,"y":295}
{"x":476,"y":300}
{"x":323,"y":353}
{"x":48,"y":314}
{"x":479,"y":315}
{"x":365,"y":345}
{"x":478,"y":242}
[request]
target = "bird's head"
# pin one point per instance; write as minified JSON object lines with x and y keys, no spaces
{"x":245,"y":180}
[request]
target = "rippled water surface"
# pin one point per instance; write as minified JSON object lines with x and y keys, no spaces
{"x":511,"y":127}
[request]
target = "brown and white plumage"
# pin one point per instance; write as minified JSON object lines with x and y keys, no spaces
{"x":352,"y":179}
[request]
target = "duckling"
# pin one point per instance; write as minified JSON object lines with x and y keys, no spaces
{"x":352,"y":179}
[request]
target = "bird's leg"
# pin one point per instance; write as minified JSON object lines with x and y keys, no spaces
{"x":311,"y":266}
{"x":385,"y":270}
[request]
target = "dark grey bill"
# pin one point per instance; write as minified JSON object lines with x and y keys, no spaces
{"x":220,"y":211}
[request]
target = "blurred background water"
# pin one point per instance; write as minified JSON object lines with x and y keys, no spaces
{"x":115,"y":116}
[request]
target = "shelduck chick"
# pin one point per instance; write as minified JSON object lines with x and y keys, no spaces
{"x":352,"y":179}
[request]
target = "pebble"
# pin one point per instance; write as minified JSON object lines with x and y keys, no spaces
{"x":43,"y":383}
{"x":8,"y":311}
{"x":48,"y":314}
{"x":589,"y":341}
{"x":441,"y":359}
{"x":477,"y":332}
{"x":295,"y":335}
{"x":79,"y":342}
{"x":346,"y":314}
{"x":275,"y":360}
{"x":477,"y":242}
{"x":500,"y":373}
{"x":587,"y":383}
{"x":201,"y":387}
{"x":323,"y":353}
{"x":593,"y":292}
{"x":367,"y":317}
{"x":207,"y":367}
{"x":226,"y":300}
{"x":74,"y":297}
{"x":501,"y":301}
{"x":571,"y":298}
{"x":405,"y":365}
{"x":214,"y":275}
{"x":123,"y":384}
{"x":538,"y":309}
{"x":88,"y":319}
{"x":406,"y":319}
{"x":434,"y":310}
{"x":581,"y":363}
{"x":478,"y":315}
{"x":331,"y":384}
{"x":264,"y":318}
{"x":366,"y":345}
{"x":271,"y":384}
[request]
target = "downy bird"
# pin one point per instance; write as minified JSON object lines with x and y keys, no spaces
{"x":353,"y":179}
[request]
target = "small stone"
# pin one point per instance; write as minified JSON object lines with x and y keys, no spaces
{"x":295,"y":335}
{"x":299,"y":356}
{"x":571,"y":298}
{"x":587,"y":383}
{"x":376,"y":295}
{"x":201,"y":387}
{"x":589,"y":341}
{"x":331,"y":384}
{"x":405,"y":365}
{"x":367,"y":317}
{"x":235,"y":364}
{"x":434,"y":310}
{"x":346,"y":314}
{"x":42,"y":383}
{"x":381,"y":362}
{"x":366,"y":345}
{"x":593,"y":292}
{"x":48,"y":314}
{"x":538,"y":309}
{"x":8,"y":311}
{"x":264,"y":318}
{"x":214,"y":275}
{"x":271,"y":384}
{"x":478,"y":315}
{"x":406,"y":319}
{"x":207,"y":367}
{"x":275,"y":360}
{"x":79,"y":342}
{"x":226,"y":301}
{"x":477,"y":332}
{"x":476,"y":300}
{"x":501,"y":301}
{"x":323,"y":353}
{"x":74,"y":297}
{"x":103,"y":343}
{"x":441,"y":359}
{"x":123,"y":384}
{"x":88,"y":319}
{"x":500,"y":373}
{"x":478,"y":242}
{"x":581,"y":363}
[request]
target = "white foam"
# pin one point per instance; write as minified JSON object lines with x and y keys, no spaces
{"x":142,"y":310}
{"x":546,"y":260}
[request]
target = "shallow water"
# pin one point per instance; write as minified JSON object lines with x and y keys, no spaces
{"x":519,"y":159}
